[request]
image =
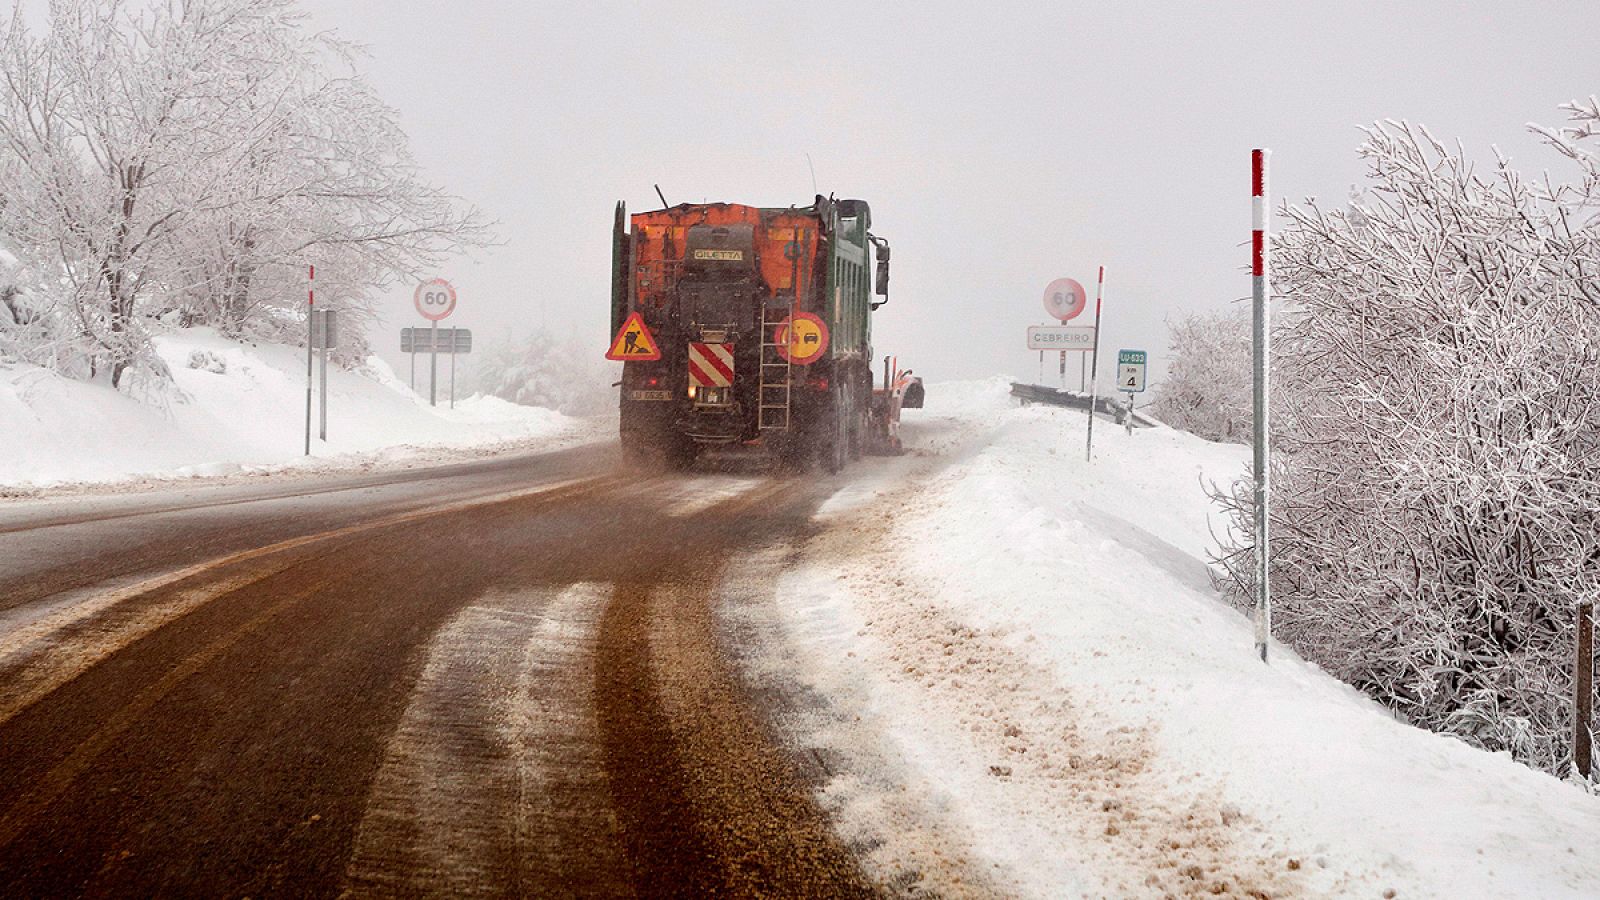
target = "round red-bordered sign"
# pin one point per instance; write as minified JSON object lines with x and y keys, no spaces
{"x":1065,"y":298}
{"x":808,"y":343}
{"x":435,"y":299}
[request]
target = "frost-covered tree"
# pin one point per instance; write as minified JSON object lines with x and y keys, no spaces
{"x":329,"y":181}
{"x":185,"y":161}
{"x":1207,"y":388}
{"x":1437,"y":464}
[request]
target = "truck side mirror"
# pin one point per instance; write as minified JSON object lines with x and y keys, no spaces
{"x":882,"y":289}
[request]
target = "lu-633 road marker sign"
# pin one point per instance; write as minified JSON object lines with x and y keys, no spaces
{"x":1060,"y":337}
{"x":1130,"y":370}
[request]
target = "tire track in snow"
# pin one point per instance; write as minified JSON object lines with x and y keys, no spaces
{"x":909,"y":848}
{"x":704,"y":492}
{"x":709,"y":806}
{"x":490,"y":782}
{"x":589,"y":742}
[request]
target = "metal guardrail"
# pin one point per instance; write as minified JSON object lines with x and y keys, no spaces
{"x":1106,"y":406}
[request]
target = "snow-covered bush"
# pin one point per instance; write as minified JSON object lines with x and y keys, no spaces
{"x":1437,"y":453}
{"x":540,"y":370}
{"x":208,"y":361}
{"x":184,"y":163}
{"x":1207,"y":388}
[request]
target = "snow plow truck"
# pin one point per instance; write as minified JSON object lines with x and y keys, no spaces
{"x":750,"y":327}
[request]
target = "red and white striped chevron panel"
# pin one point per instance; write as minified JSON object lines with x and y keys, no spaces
{"x":711,"y":365}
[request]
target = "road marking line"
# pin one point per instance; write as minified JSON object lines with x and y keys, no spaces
{"x":494,"y":782}
{"x":54,"y":782}
{"x":430,"y":471}
{"x":37,"y":675}
{"x":42,"y":665}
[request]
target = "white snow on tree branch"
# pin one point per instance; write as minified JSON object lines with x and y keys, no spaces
{"x":1437,"y":437}
{"x":183,"y":163}
{"x":1207,"y":388}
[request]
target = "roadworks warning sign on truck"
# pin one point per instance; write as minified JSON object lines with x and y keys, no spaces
{"x":634,"y":342}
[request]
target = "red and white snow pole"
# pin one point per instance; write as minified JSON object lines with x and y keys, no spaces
{"x":1094,"y":364}
{"x":311,"y":314}
{"x":1261,"y":469}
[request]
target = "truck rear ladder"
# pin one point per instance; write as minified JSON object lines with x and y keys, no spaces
{"x":773,"y":399}
{"x":773,"y":413}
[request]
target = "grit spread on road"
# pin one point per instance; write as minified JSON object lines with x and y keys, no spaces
{"x":470,"y":681}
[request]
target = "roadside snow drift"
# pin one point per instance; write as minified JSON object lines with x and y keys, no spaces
{"x":1038,"y":693}
{"x":237,"y":408}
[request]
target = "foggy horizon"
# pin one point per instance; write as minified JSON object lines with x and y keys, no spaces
{"x":999,"y":150}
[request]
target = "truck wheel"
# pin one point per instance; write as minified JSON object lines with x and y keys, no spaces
{"x":681,"y":454}
{"x":636,"y":451}
{"x":859,"y":400}
{"x":637,"y":457}
{"x":654,"y":450}
{"x":834,"y":447}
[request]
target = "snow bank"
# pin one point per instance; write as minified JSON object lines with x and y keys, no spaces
{"x":1028,"y":650}
{"x":236,"y":408}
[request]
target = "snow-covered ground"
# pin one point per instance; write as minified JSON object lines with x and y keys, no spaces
{"x":1025,"y":664}
{"x":240,"y":409}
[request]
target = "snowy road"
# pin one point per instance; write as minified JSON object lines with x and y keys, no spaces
{"x":499,"y":678}
{"x":984,"y":669}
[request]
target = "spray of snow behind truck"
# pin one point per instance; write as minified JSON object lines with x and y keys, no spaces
{"x":751,"y":327}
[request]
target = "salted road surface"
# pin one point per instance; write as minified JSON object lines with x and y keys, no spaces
{"x":501,"y":678}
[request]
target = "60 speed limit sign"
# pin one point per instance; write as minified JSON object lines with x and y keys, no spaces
{"x":435,"y":299}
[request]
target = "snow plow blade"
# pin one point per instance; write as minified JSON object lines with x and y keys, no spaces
{"x":900,"y":391}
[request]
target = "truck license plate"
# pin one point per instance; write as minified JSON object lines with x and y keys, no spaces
{"x":652,"y":395}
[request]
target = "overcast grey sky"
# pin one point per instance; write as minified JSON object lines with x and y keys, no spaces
{"x":1000,"y":145}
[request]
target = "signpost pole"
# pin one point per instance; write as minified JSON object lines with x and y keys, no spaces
{"x":452,"y":367}
{"x":413,"y":362}
{"x":323,"y":412}
{"x":311,"y":310}
{"x":1064,"y":299}
{"x":1583,"y":692}
{"x":1261,"y":353}
{"x":434,"y":299}
{"x":1094,"y":364}
{"x":433,"y":364}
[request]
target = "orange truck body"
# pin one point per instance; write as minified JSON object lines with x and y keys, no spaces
{"x":779,"y":299}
